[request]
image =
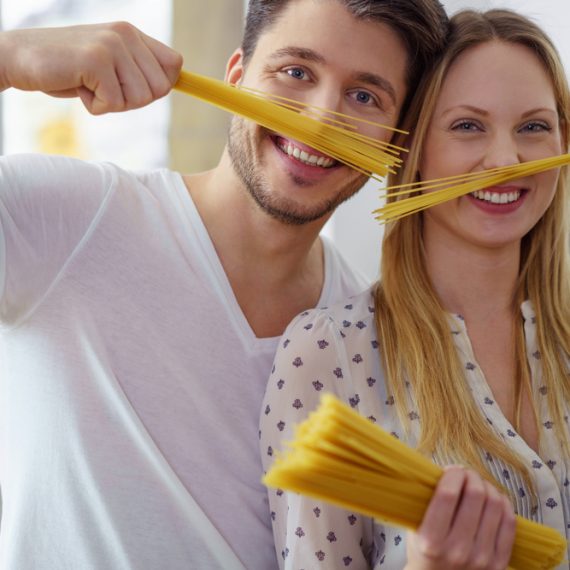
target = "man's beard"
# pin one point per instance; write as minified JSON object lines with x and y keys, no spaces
{"x":250,"y":173}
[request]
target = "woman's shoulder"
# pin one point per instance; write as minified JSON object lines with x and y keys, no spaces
{"x":355,"y":313}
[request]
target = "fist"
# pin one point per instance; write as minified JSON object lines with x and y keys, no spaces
{"x":110,"y":67}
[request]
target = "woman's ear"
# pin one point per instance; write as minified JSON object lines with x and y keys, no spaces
{"x":235,"y":67}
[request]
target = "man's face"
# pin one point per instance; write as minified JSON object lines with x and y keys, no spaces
{"x":317,"y":53}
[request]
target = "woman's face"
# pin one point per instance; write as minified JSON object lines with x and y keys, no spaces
{"x":496,"y":108}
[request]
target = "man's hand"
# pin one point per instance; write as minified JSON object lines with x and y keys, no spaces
{"x":110,"y":67}
{"x":468,"y":525}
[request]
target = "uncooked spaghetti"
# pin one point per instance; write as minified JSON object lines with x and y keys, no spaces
{"x":406,"y":199}
{"x":341,"y":457}
{"x":329,"y":132}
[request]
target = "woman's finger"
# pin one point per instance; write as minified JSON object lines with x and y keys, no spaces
{"x":437,"y":522}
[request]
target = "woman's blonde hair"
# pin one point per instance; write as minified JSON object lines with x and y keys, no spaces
{"x":413,"y":328}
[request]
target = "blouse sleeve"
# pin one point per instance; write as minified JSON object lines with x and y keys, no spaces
{"x":309,"y":533}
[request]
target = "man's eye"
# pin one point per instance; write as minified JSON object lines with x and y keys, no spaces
{"x":363,"y":97}
{"x":296,"y":73}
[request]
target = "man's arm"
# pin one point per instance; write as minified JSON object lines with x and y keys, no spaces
{"x":110,"y":67}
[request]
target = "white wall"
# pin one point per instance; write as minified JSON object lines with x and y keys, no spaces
{"x":353,"y":227}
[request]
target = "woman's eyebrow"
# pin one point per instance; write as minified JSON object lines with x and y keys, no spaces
{"x":483,"y":112}
{"x":470,"y":108}
{"x":540,"y":110}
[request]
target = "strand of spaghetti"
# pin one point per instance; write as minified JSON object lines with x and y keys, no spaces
{"x":307,"y":109}
{"x":341,"y":457}
{"x":550,"y":162}
{"x":472,"y":182}
{"x":388,"y":147}
{"x":338,"y":143}
{"x":323,"y":109}
{"x":423,"y":201}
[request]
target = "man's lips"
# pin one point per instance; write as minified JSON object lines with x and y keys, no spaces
{"x":304,"y":154}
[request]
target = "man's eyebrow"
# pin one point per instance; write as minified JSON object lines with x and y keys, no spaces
{"x":377,"y":81}
{"x":300,"y":52}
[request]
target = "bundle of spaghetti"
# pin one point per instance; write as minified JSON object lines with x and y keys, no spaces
{"x":406,"y":199}
{"x":329,"y":132}
{"x":341,"y":457}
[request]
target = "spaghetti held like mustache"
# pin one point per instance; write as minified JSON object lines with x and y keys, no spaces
{"x":329,"y":132}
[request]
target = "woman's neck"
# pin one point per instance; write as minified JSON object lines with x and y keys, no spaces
{"x":473,"y":281}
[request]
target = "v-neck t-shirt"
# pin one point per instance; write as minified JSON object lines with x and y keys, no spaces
{"x":130,"y":380}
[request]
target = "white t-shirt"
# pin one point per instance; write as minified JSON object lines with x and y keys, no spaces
{"x":130,"y":380}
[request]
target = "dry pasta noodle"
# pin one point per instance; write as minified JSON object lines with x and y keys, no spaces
{"x":327,"y":131}
{"x":341,"y":457}
{"x":435,"y":192}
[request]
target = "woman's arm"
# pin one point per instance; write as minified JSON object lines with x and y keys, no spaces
{"x":309,"y":533}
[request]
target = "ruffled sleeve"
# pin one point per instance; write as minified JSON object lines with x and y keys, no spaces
{"x":311,"y":360}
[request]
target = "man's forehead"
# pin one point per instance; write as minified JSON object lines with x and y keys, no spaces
{"x":317,"y":18}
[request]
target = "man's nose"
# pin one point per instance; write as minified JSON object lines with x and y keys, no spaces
{"x":323,"y":104}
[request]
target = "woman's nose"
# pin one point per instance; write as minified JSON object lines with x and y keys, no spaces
{"x":501,"y":151}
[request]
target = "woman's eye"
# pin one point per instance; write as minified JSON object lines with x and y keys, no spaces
{"x":535,"y":127}
{"x":296,"y":73}
{"x":466,"y":126}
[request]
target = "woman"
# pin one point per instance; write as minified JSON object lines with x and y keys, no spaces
{"x":461,"y":350}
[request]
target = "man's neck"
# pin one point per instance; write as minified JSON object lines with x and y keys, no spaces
{"x":275,"y":270}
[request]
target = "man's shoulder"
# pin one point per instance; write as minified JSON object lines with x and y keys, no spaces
{"x":342,"y":280}
{"x":50,"y":174}
{"x":48,"y":169}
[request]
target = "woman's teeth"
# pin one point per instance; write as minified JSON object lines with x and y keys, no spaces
{"x":497,"y":197}
{"x":305,"y":157}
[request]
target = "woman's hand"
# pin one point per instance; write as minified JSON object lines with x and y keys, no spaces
{"x":110,"y":67}
{"x":468,"y":525}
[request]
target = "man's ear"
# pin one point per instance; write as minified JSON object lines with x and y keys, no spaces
{"x":235,"y":68}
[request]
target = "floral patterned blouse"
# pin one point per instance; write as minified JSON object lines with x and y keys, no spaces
{"x":335,"y":350}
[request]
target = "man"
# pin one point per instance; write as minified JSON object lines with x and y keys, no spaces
{"x":140,"y":312}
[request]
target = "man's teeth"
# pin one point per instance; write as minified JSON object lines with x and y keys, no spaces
{"x":305,"y":157}
{"x":497,"y":197}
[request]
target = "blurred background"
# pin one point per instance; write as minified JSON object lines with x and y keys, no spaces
{"x":178,"y":131}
